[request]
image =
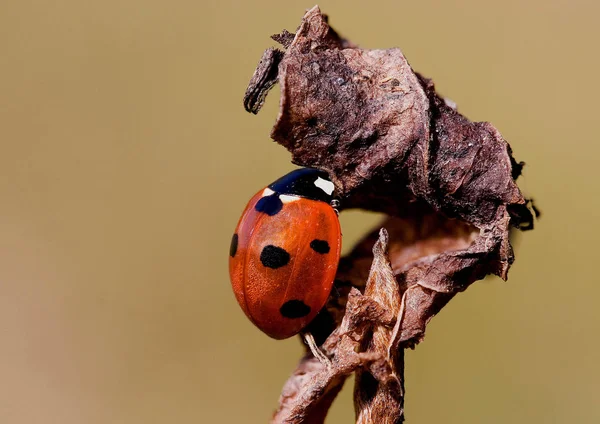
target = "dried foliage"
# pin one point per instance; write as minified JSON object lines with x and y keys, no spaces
{"x":391,"y":144}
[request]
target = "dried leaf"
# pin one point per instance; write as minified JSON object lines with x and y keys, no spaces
{"x":390,"y":143}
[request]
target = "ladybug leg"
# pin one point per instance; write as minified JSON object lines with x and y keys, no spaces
{"x":336,"y":204}
{"x":317,"y":353}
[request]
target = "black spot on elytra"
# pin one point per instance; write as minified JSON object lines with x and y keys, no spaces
{"x":274,"y":257}
{"x":270,"y":205}
{"x":320,"y":246}
{"x":294,"y":309}
{"x":233,"y":246}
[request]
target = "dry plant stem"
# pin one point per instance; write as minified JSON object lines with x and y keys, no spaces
{"x":379,"y":390}
{"x":391,"y":144}
{"x":308,"y":392}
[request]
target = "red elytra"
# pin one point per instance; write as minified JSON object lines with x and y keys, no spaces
{"x":285,"y":252}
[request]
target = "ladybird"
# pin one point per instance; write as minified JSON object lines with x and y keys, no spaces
{"x":285,"y":252}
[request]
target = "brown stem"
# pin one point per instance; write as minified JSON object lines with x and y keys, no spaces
{"x":379,"y":389}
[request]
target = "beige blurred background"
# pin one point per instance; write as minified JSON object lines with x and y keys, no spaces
{"x":126,"y":158}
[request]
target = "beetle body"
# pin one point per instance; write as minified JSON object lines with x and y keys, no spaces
{"x":285,"y":251}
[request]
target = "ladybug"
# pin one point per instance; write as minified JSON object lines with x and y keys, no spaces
{"x":285,"y":252}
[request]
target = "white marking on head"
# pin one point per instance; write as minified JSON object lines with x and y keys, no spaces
{"x":267,"y":192}
{"x":285,"y":198}
{"x":326,"y":186}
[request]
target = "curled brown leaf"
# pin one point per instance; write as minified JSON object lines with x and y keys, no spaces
{"x":391,"y":144}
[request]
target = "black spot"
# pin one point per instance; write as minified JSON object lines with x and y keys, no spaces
{"x":270,"y":205}
{"x":294,"y":309}
{"x":274,"y":257}
{"x":233,"y":247}
{"x":320,"y":246}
